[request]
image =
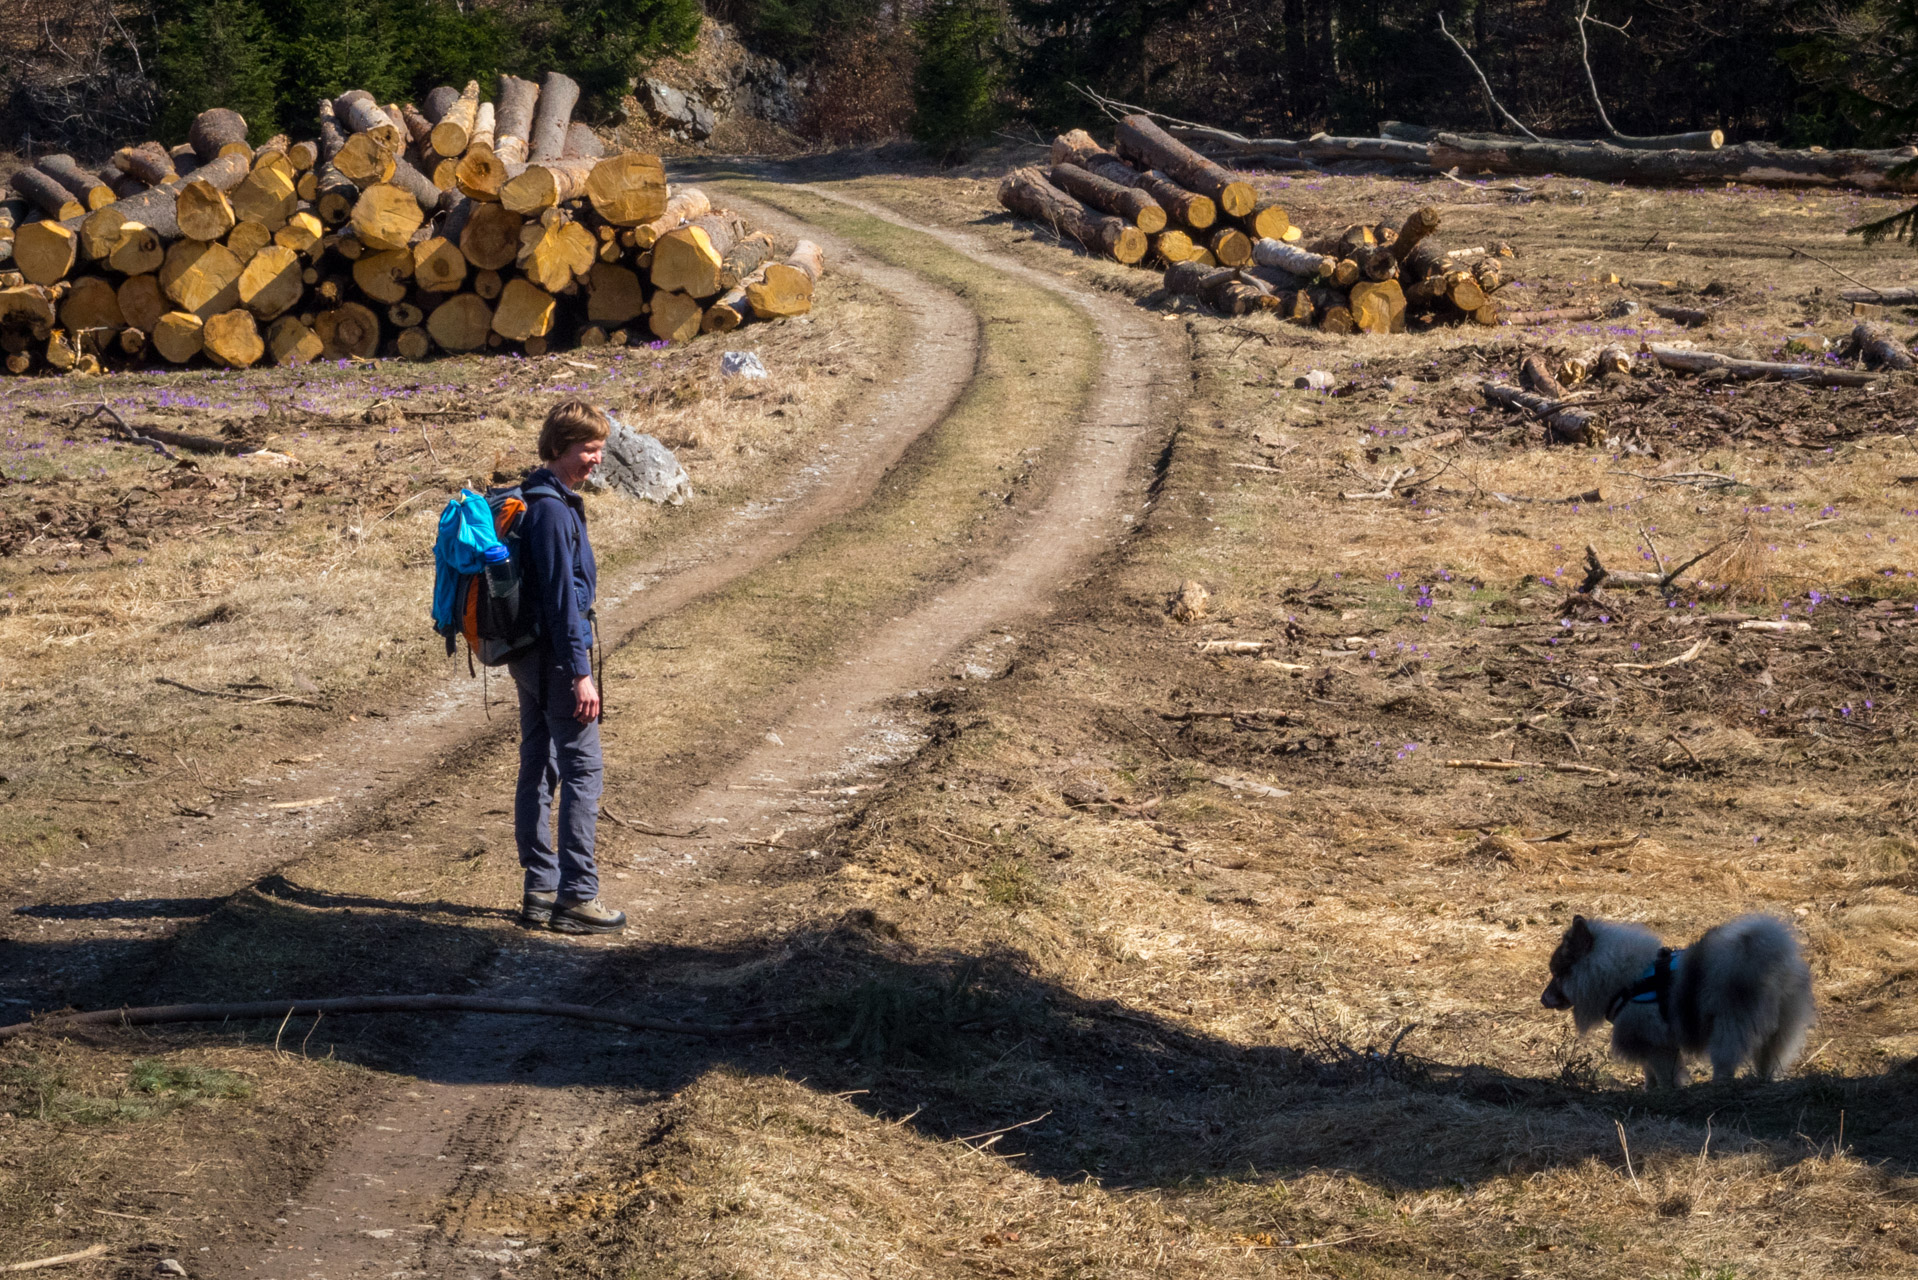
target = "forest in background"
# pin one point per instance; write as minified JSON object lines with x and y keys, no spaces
{"x":86,"y":74}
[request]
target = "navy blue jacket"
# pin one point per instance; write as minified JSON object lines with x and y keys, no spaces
{"x":559,"y":573}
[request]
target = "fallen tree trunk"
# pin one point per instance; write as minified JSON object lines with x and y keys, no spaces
{"x":1320,"y":148}
{"x":1146,"y":143}
{"x":1219,"y":288}
{"x":1569,"y":425}
{"x":1875,"y":345}
{"x":1748,"y":162}
{"x":1127,"y":202}
{"x":86,"y":187}
{"x":558,"y":95}
{"x":1894,"y":296}
{"x":1290,"y":257}
{"x":1687,"y":360}
{"x":1702,"y":140}
{"x":347,"y":1005}
{"x":1027,"y":193}
{"x":513,"y":118}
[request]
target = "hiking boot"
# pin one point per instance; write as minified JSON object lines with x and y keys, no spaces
{"x":536,"y":909}
{"x":592,"y":916}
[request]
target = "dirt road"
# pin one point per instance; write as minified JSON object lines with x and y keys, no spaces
{"x":481,"y":1123}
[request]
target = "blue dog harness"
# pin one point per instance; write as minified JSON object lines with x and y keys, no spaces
{"x":1654,"y":986}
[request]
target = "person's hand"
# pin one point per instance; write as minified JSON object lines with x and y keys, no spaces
{"x":585,"y":700}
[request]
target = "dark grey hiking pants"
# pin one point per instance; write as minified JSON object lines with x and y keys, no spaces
{"x":556,"y":754}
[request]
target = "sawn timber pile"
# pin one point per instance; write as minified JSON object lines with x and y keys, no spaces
{"x":1155,"y":199}
{"x":457,"y":225}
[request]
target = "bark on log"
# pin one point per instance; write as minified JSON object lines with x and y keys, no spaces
{"x":1568,"y":425}
{"x":1875,"y":345}
{"x":744,"y":259}
{"x":334,"y":195}
{"x":786,"y":288}
{"x":1890,"y":296}
{"x":453,"y":128}
{"x":1690,"y":361}
{"x":215,"y":132}
{"x":513,"y":118}
{"x":149,"y":162}
{"x":1702,"y":140}
{"x":1217,"y":287}
{"x":1289,"y":257}
{"x":332,"y":136}
{"x":546,"y":142}
{"x":1027,"y":193}
{"x":482,"y":134}
{"x":1320,"y":148}
{"x":1418,"y":224}
{"x":547,"y":184}
{"x":684,"y":204}
{"x":581,"y":140}
{"x":1146,"y":143}
{"x":86,"y":188}
{"x":440,"y":99}
{"x":1747,"y":162}
{"x":358,"y":112}
{"x":1126,"y":202}
{"x":46,"y":193}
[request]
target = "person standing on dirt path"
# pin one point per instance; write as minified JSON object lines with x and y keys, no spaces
{"x":558,"y":700}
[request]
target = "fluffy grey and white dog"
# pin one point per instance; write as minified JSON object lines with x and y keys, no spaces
{"x":1740,"y":994}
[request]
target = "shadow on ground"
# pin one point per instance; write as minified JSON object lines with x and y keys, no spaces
{"x":961,"y":1044}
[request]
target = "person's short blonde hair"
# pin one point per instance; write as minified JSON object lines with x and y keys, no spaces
{"x":570,"y":423}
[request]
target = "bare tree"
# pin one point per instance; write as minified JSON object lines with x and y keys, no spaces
{"x":82,"y":83}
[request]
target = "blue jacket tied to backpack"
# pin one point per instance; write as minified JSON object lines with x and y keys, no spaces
{"x":560,"y":574}
{"x":466,"y":535}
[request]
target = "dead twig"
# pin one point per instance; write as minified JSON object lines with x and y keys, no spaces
{"x":1483,"y":82}
{"x":1847,"y":275}
{"x":271,"y":700}
{"x":58,"y":1260}
{"x":644,"y":829}
{"x":1507,"y":765}
{"x":1399,"y":475}
{"x":1674,"y":738}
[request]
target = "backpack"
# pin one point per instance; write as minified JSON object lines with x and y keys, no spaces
{"x":485,"y":604}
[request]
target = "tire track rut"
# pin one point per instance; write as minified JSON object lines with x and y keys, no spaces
{"x":504,"y":1109}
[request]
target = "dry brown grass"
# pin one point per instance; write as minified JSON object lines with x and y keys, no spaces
{"x":314,"y":580}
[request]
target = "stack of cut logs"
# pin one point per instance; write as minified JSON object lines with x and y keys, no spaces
{"x":458,"y":225}
{"x":1157,"y":199}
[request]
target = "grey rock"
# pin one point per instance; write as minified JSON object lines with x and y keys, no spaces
{"x":702,"y":122}
{"x":741,"y":364}
{"x":667,"y":105}
{"x":642,"y":467}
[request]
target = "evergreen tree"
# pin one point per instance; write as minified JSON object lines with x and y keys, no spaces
{"x":222,"y":53}
{"x":955,"y":85}
{"x":336,"y":45}
{"x":1100,"y":44}
{"x":602,"y":43}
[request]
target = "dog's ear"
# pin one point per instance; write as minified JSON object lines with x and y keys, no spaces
{"x":1579,"y":940}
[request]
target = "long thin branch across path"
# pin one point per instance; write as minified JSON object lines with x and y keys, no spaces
{"x":376,"y":1004}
